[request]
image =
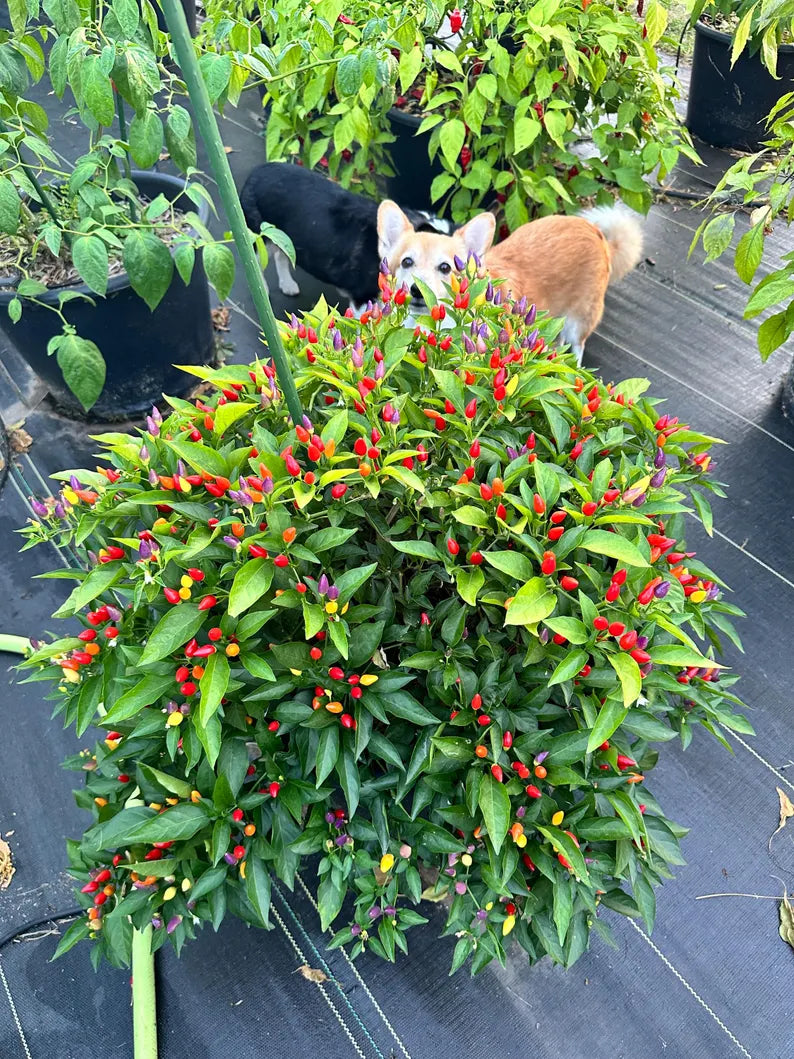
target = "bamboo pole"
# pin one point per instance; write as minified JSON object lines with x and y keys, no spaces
{"x":144,"y":1003}
{"x":219,"y":164}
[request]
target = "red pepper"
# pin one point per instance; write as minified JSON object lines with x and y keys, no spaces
{"x":533,"y":791}
{"x":171,"y":595}
{"x":452,"y":546}
{"x":207,"y":603}
{"x":549,"y":563}
{"x":569,"y":583}
{"x":470,"y":411}
{"x":589,"y":508}
{"x":205,"y":651}
{"x":256,"y":551}
{"x":600,"y":623}
{"x":539,"y":504}
{"x":496,"y":772}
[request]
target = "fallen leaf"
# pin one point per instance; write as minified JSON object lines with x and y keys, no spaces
{"x":720,"y":286}
{"x":164,"y":157}
{"x":19,"y":440}
{"x":220,"y":318}
{"x":311,"y":974}
{"x":786,"y":811}
{"x":229,"y":150}
{"x":787,"y":920}
{"x":7,"y":868}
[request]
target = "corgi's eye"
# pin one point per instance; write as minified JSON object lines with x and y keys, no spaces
{"x":407,"y":262}
{"x":445,"y":268}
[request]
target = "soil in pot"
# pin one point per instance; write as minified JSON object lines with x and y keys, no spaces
{"x":728,"y":106}
{"x":140,"y":347}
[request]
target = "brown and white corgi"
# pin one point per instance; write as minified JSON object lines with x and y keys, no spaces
{"x":562,"y":264}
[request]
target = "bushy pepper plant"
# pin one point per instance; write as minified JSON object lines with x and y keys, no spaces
{"x":427,"y":637}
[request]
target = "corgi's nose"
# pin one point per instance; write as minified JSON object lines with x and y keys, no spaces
{"x":416,"y":294}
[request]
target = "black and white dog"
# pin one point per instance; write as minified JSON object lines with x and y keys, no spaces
{"x":334,"y":231}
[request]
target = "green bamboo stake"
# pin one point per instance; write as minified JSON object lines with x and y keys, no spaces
{"x":46,"y":201}
{"x":123,"y":134}
{"x":219,"y":164}
{"x":144,"y":1005}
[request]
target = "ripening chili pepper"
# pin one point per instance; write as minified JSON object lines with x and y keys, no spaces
{"x":182,"y":674}
{"x":533,"y":791}
{"x":507,"y":740}
{"x":555,"y":533}
{"x":481,"y":751}
{"x":476,"y":702}
{"x":486,"y":492}
{"x":205,"y":651}
{"x":476,"y":558}
{"x":452,"y":546}
{"x":273,"y":789}
{"x":207,"y":603}
{"x":539,"y":504}
{"x":474,"y":450}
{"x":576,"y":451}
{"x":87,"y":635}
{"x":347,"y":721}
{"x":569,"y":583}
{"x":483,"y":720}
{"x":281,"y":561}
{"x":501,"y":512}
{"x":256,"y":551}
{"x":172,"y":595}
{"x":338,"y":490}
{"x":496,"y":772}
{"x":549,"y":563}
{"x":640,"y":657}
{"x":557,"y":517}
{"x":589,"y":508}
{"x":612,"y":593}
{"x":470,"y":411}
{"x":625,"y":762}
{"x":540,"y":772}
{"x":628,"y":640}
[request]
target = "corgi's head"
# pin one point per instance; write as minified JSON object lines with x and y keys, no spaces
{"x":428,"y":256}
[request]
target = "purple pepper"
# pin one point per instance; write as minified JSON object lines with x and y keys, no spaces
{"x":658,"y":479}
{"x":384,"y":267}
{"x":323,"y":585}
{"x":333,"y":592}
{"x":468,"y":345}
{"x":38,"y":508}
{"x":659,"y":459}
{"x":489,"y":292}
{"x":529,"y":319}
{"x":173,"y":923}
{"x":374,"y":913}
{"x":355,"y":930}
{"x":460,"y":888}
{"x":231,"y":542}
{"x":661,"y":589}
{"x":338,"y":341}
{"x":459,"y":264}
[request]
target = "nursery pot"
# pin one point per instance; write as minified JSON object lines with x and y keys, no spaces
{"x":414,"y":172}
{"x":727,"y":106}
{"x":140,"y":347}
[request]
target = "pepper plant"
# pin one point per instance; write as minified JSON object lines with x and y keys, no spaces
{"x":531,"y":106}
{"x":62,"y":222}
{"x":430,"y":635}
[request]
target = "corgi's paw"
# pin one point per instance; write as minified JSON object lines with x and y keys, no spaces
{"x":288,"y":287}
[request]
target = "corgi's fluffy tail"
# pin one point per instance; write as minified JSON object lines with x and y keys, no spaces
{"x":623,"y":233}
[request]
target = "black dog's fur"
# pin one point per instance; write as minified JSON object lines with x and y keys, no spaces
{"x":334,"y":231}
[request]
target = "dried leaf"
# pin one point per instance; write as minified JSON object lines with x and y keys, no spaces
{"x":787,"y":920}
{"x":7,"y":868}
{"x":311,"y":974}
{"x":229,"y":150}
{"x":19,"y":440}
{"x":220,"y":318}
{"x":786,"y":811}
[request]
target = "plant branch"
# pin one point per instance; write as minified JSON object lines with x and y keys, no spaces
{"x":144,"y":1004}
{"x":29,"y":173}
{"x":123,"y":134}
{"x":219,"y":163}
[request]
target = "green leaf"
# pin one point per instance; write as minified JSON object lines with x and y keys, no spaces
{"x":15,"y":310}
{"x":741,"y":35}
{"x":339,"y":638}
{"x":216,"y":70}
{"x":602,"y":829}
{"x":564,"y":844}
{"x":574,"y":630}
{"x":76,"y":932}
{"x":180,"y":138}
{"x":90,"y":257}
{"x":421,"y":549}
{"x":774,"y":332}
{"x":768,"y":293}
{"x":128,"y":15}
{"x":525,"y":132}
{"x":97,"y":90}
{"x":332,"y":537}
{"x":228,"y":414}
{"x":749,"y":252}
{"x":629,"y":675}
{"x":250,"y":583}
{"x":149,"y":266}
{"x":532,"y":603}
{"x":139,"y":824}
{"x":612,"y":544}
{"x":717,"y":235}
{"x":82,"y":366}
{"x":184,"y":260}
{"x":327,"y":752}
{"x":350,"y":581}
{"x":469,"y":583}
{"x":146,"y":692}
{"x":145,"y":137}
{"x":655,"y":22}
{"x":330,"y":897}
{"x":87,"y":702}
{"x":347,"y":771}
{"x":401,"y":704}
{"x":209,"y":737}
{"x":494,"y":802}
{"x":410,"y":65}
{"x":181,"y":788}
{"x":9,"y":207}
{"x":213,"y":685}
{"x":679,"y":655}
{"x":568,"y":667}
{"x":628,"y":813}
{"x":451,"y":139}
{"x":563,"y":907}
{"x":514,"y":564}
{"x":609,"y":718}
{"x":176,"y":627}
{"x":98,"y":581}
{"x":471,"y":516}
{"x":257,"y":888}
{"x":453,"y":625}
{"x":219,"y":266}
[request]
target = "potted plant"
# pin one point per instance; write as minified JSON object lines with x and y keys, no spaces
{"x":763,"y":181}
{"x":743,"y":62}
{"x":105,"y":267}
{"x":502,"y":125}
{"x":440,"y":621}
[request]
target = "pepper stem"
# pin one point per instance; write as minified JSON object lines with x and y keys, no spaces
{"x":219,"y":164}
{"x":144,"y":1006}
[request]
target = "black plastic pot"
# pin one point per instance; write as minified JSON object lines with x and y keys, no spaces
{"x":787,"y":397}
{"x":414,"y":172}
{"x":728,"y":106}
{"x":140,"y":347}
{"x":189,"y":7}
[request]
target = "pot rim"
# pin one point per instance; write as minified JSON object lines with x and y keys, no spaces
{"x":405,"y":117}
{"x":726,"y":38}
{"x":121,"y":280}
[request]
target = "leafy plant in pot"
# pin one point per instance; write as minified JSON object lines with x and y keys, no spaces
{"x":90,"y":248}
{"x":742,"y":64}
{"x":498,"y":124}
{"x":440,"y":622}
{"x":764,"y":180}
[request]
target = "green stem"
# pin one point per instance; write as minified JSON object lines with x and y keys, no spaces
{"x":123,"y":135}
{"x":219,"y":164}
{"x":14,"y":645}
{"x":144,"y":1008}
{"x":46,"y":201}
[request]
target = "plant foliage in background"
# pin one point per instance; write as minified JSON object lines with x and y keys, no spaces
{"x":439,"y":624}
{"x":534,"y":106}
{"x":62,"y":222}
{"x":766,"y":173}
{"x":760,"y":26}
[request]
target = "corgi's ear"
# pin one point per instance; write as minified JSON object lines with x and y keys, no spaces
{"x":478,"y":234}
{"x":392,"y":226}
